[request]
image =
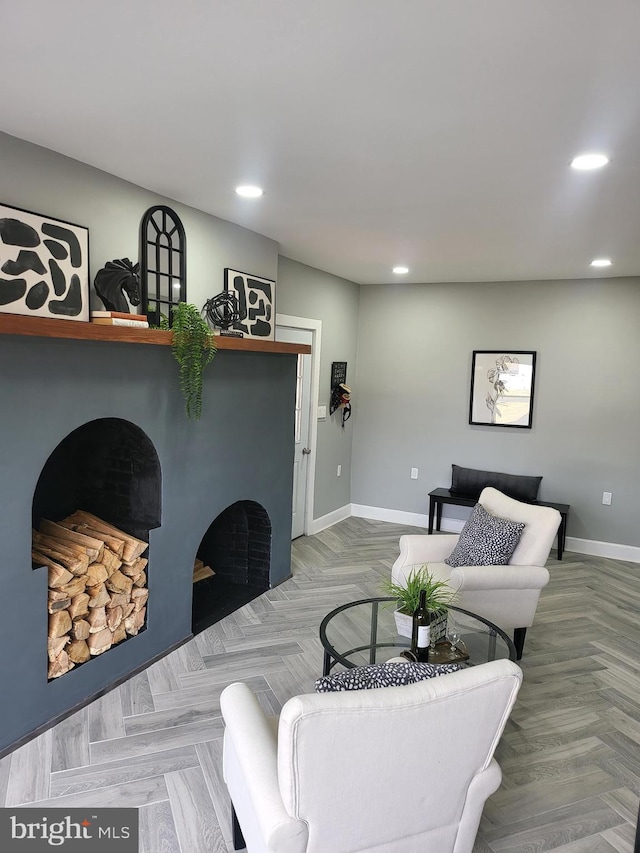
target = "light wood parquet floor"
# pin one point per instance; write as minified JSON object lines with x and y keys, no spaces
{"x":570,"y":753}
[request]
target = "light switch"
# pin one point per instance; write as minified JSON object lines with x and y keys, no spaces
{"x":322,"y":412}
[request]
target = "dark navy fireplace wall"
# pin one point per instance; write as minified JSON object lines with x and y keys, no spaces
{"x":241,"y":450}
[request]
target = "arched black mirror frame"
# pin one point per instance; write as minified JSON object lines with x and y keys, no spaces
{"x":163,"y":262}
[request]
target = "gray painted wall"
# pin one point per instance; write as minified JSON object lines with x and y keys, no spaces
{"x":307,"y":292}
{"x":414,"y":363}
{"x":40,"y":180}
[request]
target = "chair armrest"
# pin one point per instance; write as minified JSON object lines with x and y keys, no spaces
{"x":481,"y":787}
{"x":250,"y":769}
{"x":422,"y":548}
{"x":499,"y":577}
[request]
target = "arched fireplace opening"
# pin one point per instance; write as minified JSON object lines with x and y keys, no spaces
{"x":97,"y":497}
{"x":232,"y":563}
{"x":108,"y":467}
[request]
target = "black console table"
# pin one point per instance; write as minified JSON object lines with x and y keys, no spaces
{"x":439,"y":497}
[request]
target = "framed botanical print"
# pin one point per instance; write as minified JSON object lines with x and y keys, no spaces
{"x":502,"y":384}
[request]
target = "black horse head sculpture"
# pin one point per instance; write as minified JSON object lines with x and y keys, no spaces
{"x":114,"y":280}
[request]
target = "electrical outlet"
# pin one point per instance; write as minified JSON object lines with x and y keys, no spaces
{"x":414,"y":473}
{"x":339,"y":471}
{"x":606,"y":498}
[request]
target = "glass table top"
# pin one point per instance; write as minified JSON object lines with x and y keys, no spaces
{"x":364,"y":632}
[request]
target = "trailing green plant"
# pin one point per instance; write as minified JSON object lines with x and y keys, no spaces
{"x":193,"y":347}
{"x":439,"y":594}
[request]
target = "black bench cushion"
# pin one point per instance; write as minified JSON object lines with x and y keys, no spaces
{"x":469,"y":481}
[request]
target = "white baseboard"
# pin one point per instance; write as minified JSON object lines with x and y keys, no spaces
{"x":396,"y":516}
{"x":452,"y":525}
{"x":629,"y":553}
{"x":329,"y":519}
{"x":592,"y":547}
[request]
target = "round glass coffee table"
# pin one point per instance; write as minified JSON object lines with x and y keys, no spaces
{"x":364,"y":632}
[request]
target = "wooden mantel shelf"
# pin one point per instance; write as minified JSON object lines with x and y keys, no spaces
{"x":44,"y":327}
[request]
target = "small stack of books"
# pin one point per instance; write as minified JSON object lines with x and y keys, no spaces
{"x":118,"y":318}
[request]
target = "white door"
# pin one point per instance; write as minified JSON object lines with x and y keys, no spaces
{"x":302,"y":453}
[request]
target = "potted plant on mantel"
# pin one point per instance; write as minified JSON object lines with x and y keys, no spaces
{"x":439,"y":596}
{"x":193,"y":347}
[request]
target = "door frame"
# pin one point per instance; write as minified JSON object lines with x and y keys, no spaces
{"x":315,"y":327}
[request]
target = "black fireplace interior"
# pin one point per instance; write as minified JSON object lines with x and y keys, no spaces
{"x":108,"y":467}
{"x":237,"y":547}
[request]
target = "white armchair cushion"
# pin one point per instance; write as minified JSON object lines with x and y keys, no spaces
{"x":507,"y":601}
{"x":485,"y":540}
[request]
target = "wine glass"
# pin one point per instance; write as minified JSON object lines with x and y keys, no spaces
{"x":453,"y":636}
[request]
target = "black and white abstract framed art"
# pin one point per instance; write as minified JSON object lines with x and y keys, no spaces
{"x":502,"y":385}
{"x":44,"y":266}
{"x":257,"y":296}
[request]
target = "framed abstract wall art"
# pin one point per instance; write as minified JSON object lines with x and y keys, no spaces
{"x":44,"y":266}
{"x":502,"y":384}
{"x":257,"y":296}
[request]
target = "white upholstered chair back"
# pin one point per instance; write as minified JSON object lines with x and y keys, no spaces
{"x":397,"y":769}
{"x":541,"y":522}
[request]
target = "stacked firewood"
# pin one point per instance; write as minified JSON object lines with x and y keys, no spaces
{"x":97,"y":587}
{"x":200,"y":571}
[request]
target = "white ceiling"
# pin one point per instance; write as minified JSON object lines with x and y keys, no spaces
{"x":434,"y":133}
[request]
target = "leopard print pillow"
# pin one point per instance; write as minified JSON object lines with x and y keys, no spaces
{"x":485,"y":540}
{"x":382,"y":675}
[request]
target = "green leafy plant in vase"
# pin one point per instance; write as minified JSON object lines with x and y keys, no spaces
{"x":439,"y":595}
{"x":193,"y":347}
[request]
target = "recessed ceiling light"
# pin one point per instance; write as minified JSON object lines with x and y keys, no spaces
{"x":589,"y":161}
{"x":601,"y":262}
{"x":248,"y":191}
{"x":401,"y":270}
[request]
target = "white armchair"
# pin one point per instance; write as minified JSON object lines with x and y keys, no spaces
{"x":392,"y":770}
{"x":505,"y":595}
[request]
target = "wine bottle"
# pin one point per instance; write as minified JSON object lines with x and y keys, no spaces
{"x":420,"y":636}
